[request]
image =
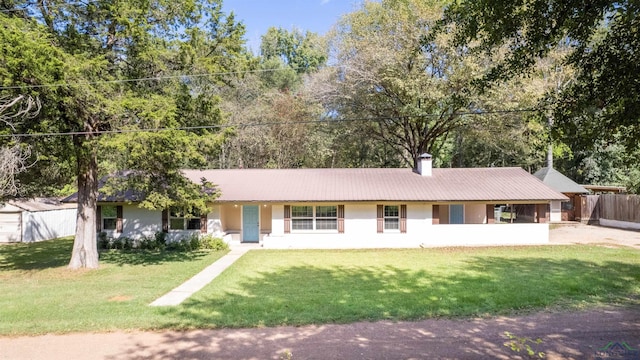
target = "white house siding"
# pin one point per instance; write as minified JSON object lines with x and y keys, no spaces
{"x":360,"y":231}
{"x":10,"y":227}
{"x":214,"y":224}
{"x":487,"y":234}
{"x":555,"y":215}
{"x":21,"y":225}
{"x":475,"y":214}
{"x":619,"y":224}
{"x":138,"y":223}
{"x":47,"y":225}
{"x":360,"y":228}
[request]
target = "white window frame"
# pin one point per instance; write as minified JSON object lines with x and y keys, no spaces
{"x":314,"y":218}
{"x":185,"y":219}
{"x":391,"y":217}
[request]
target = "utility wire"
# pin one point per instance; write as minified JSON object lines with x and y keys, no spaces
{"x":225,"y":126}
{"x":153,"y":78}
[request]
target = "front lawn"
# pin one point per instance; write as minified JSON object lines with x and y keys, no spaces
{"x":296,"y":287}
{"x":39,"y":295}
{"x":269,"y":288}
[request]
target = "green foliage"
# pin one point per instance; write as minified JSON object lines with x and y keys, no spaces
{"x":39,"y":295}
{"x":158,"y":242}
{"x":272,"y":288}
{"x":303,"y":53}
{"x":209,"y":242}
{"x":112,"y":66}
{"x":286,"y":355}
{"x":397,"y":72}
{"x":601,"y":102}
{"x":526,"y":345}
{"x":311,"y":287}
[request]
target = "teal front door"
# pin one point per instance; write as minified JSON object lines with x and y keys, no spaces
{"x":250,"y":223}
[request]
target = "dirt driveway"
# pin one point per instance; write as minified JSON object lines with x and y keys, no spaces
{"x":565,"y":335}
{"x":576,"y":335}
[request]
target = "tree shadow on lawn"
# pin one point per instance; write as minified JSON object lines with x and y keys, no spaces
{"x":37,"y":255}
{"x":56,"y":253}
{"x":148,"y":257}
{"x":485,"y":286}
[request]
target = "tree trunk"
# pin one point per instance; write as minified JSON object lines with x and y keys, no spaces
{"x":85,"y":250}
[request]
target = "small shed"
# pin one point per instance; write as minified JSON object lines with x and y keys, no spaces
{"x":30,"y":220}
{"x":562,"y":211}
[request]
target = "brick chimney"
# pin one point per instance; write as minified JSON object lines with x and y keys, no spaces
{"x":425,"y":164}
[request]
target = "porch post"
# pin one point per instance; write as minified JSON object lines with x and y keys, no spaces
{"x":541,"y":213}
{"x":435,"y":214}
{"x":490,"y":214}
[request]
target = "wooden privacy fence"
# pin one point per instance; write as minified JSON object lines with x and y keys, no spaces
{"x":609,"y":206}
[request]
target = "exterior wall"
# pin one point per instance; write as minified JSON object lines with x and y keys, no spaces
{"x":138,"y":223}
{"x":555,"y":215}
{"x":231,"y":217}
{"x":214,"y":222}
{"x":47,"y":225}
{"x":488,"y":235}
{"x":360,"y":228}
{"x":277,"y":220}
{"x":265,"y":219}
{"x":10,"y":226}
{"x":444,"y":214}
{"x":361,"y":231}
{"x":17,"y":225}
{"x":475,"y":214}
{"x":620,"y":224}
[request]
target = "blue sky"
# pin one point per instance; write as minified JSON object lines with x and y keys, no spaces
{"x":313,"y":15}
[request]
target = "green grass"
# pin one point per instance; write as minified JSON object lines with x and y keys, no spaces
{"x":39,"y":295}
{"x":296,"y":287}
{"x":269,"y":288}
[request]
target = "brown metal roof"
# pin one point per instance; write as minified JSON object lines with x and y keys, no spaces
{"x":446,"y":185}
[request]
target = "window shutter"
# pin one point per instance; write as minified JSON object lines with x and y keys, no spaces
{"x":435,"y":214}
{"x":203,"y":223}
{"x":403,"y":218}
{"x":119,"y":219}
{"x":341,"y":219}
{"x":287,"y":219}
{"x":99,"y":218}
{"x":380,"y":210}
{"x":165,"y":220}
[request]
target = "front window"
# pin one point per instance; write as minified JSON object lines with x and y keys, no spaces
{"x":109,"y":217}
{"x":314,"y":218}
{"x":391,"y":217}
{"x":179,"y":219}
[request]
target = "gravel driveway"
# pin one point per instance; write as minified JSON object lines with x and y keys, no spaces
{"x":591,"y":234}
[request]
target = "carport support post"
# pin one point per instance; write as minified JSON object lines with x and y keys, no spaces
{"x":491,"y":219}
{"x":541,"y":210}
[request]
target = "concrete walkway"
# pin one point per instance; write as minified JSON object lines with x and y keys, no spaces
{"x":197,"y":282}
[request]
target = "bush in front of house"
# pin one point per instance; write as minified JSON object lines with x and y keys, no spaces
{"x":158,"y":242}
{"x":209,"y":242}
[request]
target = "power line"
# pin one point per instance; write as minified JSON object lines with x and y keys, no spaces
{"x":153,"y":78}
{"x":225,"y":126}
